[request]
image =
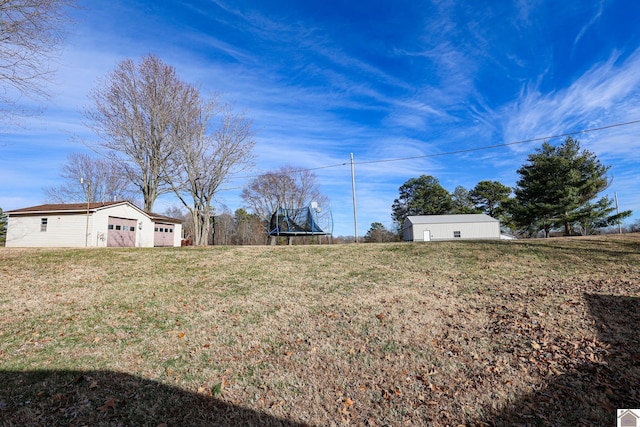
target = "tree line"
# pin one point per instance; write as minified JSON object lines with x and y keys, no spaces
{"x":158,"y":134}
{"x":557,"y":189}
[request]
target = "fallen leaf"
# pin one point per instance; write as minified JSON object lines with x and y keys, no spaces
{"x":110,"y":403}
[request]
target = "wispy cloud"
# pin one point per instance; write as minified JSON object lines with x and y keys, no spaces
{"x":607,"y":93}
{"x":589,"y":24}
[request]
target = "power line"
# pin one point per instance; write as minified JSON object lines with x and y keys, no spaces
{"x":448,"y":153}
{"x":488,"y":147}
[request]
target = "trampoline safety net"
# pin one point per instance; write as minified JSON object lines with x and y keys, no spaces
{"x":297,"y":222}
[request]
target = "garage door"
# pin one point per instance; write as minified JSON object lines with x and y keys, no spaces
{"x":121,"y":232}
{"x":163,"y":234}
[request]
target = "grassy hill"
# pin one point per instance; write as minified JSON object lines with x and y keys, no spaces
{"x":480,"y":333}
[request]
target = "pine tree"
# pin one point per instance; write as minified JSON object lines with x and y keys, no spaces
{"x":489,"y":195}
{"x":421,"y":196}
{"x":557,"y":186}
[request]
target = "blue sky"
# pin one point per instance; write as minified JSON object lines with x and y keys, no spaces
{"x":378,"y":79}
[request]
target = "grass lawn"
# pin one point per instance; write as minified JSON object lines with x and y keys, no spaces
{"x":531,"y":332}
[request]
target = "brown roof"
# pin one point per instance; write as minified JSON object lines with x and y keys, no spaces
{"x":158,"y":217}
{"x":82,"y":207}
{"x":64,"y":207}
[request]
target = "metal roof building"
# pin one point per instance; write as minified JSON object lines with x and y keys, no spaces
{"x":425,"y":228}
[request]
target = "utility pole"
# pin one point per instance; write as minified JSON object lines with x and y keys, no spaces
{"x":353,"y":190}
{"x":86,"y":231}
{"x":615,"y":195}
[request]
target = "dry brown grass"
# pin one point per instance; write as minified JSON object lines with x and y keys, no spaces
{"x":496,"y":333}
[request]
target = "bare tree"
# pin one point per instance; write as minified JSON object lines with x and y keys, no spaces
{"x":225,"y":228}
{"x":287,"y":187}
{"x":141,"y":112}
{"x":204,"y":160}
{"x":3,"y":228}
{"x":90,"y":179}
{"x":30,"y":33}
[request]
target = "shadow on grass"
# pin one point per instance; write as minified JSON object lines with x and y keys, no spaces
{"x":105,"y":398}
{"x":590,"y":393}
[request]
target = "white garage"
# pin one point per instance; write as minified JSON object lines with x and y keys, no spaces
{"x":111,"y":224}
{"x":425,"y":228}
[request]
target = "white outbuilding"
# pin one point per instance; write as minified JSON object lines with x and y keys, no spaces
{"x":426,"y":228}
{"x":111,"y":224}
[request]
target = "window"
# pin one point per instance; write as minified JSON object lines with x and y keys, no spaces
{"x":43,"y":224}
{"x":155,"y":229}
{"x":456,"y":234}
{"x":132,"y":228}
{"x":118,"y":227}
{"x":171,"y":230}
{"x":110,"y":226}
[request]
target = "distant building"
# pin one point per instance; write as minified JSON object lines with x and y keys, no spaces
{"x":426,"y":228}
{"x":111,"y":224}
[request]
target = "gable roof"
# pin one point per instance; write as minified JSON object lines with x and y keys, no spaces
{"x":162,"y":218}
{"x":66,"y":207}
{"x":72,"y":208}
{"x":450,"y":219}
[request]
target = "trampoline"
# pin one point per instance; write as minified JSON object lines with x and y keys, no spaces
{"x":308,"y":221}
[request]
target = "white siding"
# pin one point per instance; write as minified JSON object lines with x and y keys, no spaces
{"x":467,"y":231}
{"x":70,"y":229}
{"x":443,"y":229}
{"x":63,"y":230}
{"x":144,"y":233}
{"x":177,"y":235}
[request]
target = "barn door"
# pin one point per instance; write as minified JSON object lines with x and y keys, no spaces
{"x":426,"y":235}
{"x":121,"y":232}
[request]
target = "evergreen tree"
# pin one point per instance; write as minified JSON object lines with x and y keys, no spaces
{"x":556,"y":188}
{"x":462,"y":202}
{"x":421,"y":196}
{"x":488,"y":197}
{"x":378,"y":234}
